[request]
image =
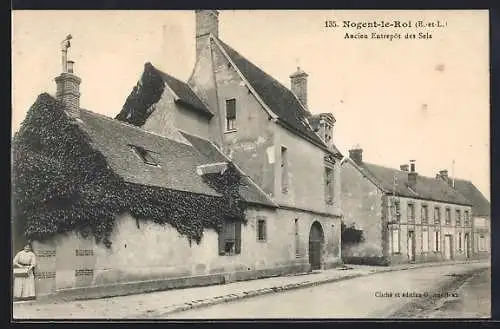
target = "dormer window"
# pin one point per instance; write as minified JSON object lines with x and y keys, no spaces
{"x":149,"y":157}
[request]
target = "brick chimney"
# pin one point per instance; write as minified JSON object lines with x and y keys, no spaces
{"x":443,"y":175}
{"x":404,"y":167}
{"x":68,"y":84}
{"x":207,"y":22}
{"x":412,"y":175}
{"x":298,"y":81}
{"x":356,"y":154}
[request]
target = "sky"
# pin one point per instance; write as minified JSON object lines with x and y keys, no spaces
{"x":421,"y":99}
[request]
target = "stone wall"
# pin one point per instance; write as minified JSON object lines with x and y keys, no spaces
{"x":148,"y":253}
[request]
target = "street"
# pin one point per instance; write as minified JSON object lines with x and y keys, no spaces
{"x":474,"y":300}
{"x":372,"y":296}
{"x":370,"y":291}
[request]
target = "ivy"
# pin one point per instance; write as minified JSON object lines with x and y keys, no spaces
{"x":350,"y":235}
{"x":62,"y":184}
{"x":147,"y":92}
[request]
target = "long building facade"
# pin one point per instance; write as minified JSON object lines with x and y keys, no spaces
{"x":404,"y":217}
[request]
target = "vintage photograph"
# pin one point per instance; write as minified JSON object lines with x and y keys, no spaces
{"x":250,"y":164}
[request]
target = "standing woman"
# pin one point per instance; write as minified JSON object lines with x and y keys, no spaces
{"x":24,"y":276}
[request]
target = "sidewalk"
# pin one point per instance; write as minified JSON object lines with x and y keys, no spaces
{"x":162,"y":303}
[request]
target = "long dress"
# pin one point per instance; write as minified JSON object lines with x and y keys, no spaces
{"x":24,"y":287}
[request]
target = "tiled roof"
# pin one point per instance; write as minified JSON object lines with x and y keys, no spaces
{"x":480,"y":205}
{"x":138,"y":106}
{"x":277,"y":97}
{"x":184,"y":92}
{"x":177,"y":161}
{"x":248,"y":191}
{"x":426,"y":188}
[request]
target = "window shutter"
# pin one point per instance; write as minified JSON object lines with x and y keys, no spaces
{"x":237,"y":237}
{"x":231,"y":109}
{"x":222,"y":240}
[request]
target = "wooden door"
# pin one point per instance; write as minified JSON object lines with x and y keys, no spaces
{"x":316,"y":239}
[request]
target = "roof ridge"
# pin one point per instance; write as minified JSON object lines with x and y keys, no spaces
{"x":132,"y":126}
{"x":267,"y":74}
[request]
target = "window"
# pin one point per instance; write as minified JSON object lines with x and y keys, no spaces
{"x":261,"y":230}
{"x":411,"y":212}
{"x":395,"y":241}
{"x":437,"y":241}
{"x":284,"y":169}
{"x":448,"y":216}
{"x":147,"y":156}
{"x":458,"y":219}
{"x":230,"y":114}
{"x":230,"y":238}
{"x":329,"y":185}
{"x":425,"y":241}
{"x":395,"y":210}
{"x":459,"y":241}
{"x":424,"y":213}
{"x":297,"y":241}
{"x":481,"y":243}
{"x":437,"y":215}
{"x":466,"y":218}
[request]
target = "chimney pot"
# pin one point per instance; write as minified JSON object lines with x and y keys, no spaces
{"x":412,"y":165}
{"x":356,"y":154}
{"x":70,"y":66}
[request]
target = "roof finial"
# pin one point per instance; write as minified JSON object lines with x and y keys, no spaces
{"x":65,"y":44}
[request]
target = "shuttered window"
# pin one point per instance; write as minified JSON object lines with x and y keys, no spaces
{"x":230,"y":238}
{"x":411,"y":212}
{"x":437,"y":241}
{"x":425,"y":241}
{"x":395,"y":241}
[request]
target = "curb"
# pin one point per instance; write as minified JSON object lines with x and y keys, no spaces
{"x":265,"y":291}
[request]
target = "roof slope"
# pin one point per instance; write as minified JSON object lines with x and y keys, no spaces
{"x":248,"y":191}
{"x":276,"y":96}
{"x":480,"y":205}
{"x":426,"y":188}
{"x":185,"y":93}
{"x":148,"y":91}
{"x":177,"y":161}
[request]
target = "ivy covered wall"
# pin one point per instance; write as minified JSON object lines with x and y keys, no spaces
{"x":62,"y":183}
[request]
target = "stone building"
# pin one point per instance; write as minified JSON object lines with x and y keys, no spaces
{"x":404,"y":217}
{"x":231,"y":136}
{"x":481,"y":214}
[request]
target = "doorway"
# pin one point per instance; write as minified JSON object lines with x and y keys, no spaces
{"x":447,"y":247}
{"x":466,"y":245}
{"x":411,"y":246}
{"x":316,"y":239}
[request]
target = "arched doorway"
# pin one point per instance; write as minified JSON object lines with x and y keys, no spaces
{"x":316,"y":239}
